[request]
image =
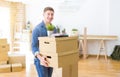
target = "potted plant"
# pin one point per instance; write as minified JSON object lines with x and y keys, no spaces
{"x":75,"y":32}
{"x":50,"y":29}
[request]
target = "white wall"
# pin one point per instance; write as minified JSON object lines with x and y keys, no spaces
{"x":99,"y":16}
{"x":90,"y":13}
{"x":114,"y":22}
{"x":114,"y":19}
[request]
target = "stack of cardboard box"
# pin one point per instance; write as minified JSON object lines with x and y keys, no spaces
{"x":17,"y":61}
{"x":4,"y":48}
{"x":17,"y":58}
{"x":6,"y":64}
{"x":64,"y":55}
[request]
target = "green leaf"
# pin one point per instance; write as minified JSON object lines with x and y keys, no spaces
{"x":74,"y":29}
{"x":50,"y":27}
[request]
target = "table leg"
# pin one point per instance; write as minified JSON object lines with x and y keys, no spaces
{"x":102,"y":48}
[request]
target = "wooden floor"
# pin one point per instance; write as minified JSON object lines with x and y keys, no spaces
{"x":87,"y":68}
{"x":92,"y":67}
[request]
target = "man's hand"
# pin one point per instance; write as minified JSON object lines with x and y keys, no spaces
{"x":43,"y":60}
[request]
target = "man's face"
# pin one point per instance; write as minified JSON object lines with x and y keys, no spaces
{"x":48,"y":16}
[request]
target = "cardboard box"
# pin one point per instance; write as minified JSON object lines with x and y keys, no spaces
{"x":57,"y":72}
{"x":5,"y":68}
{"x":62,"y":72}
{"x":16,"y":67}
{"x":58,"y":60}
{"x":3,"y":56}
{"x":74,"y":71}
{"x":17,"y":58}
{"x":3,"y":41}
{"x":64,"y":55}
{"x":66,"y":71}
{"x":4,"y":48}
{"x":3,"y":62}
{"x":62,"y":44}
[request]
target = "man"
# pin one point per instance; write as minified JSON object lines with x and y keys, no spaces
{"x":41,"y":31}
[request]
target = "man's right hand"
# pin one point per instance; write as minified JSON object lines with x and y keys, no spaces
{"x":43,"y":60}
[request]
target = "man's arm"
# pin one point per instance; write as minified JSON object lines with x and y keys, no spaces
{"x":35,"y":48}
{"x":35,"y":42}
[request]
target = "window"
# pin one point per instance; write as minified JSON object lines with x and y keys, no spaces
{"x":5,"y":23}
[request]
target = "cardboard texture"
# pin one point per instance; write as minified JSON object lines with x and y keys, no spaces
{"x":17,"y":58}
{"x":4,"y":48}
{"x":3,"y":62}
{"x":16,"y":67}
{"x":5,"y":68}
{"x":61,"y":59}
{"x":3,"y":41}
{"x":57,"y":72}
{"x":3,"y":56}
{"x":74,"y":71}
{"x":62,"y":44}
{"x":66,"y":71}
{"x":64,"y":55}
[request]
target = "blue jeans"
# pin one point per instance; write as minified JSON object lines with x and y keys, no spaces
{"x":42,"y":70}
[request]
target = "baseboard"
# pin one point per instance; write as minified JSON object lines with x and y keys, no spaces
{"x":93,"y":55}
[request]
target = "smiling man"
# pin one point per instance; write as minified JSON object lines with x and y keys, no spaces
{"x":41,"y":31}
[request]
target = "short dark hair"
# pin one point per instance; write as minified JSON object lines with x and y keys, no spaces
{"x":48,"y":8}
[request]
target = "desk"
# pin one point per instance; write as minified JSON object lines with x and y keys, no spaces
{"x":102,"y":38}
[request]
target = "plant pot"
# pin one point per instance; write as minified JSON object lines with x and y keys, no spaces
{"x":75,"y":33}
{"x":49,"y":33}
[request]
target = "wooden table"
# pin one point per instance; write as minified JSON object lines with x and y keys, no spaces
{"x":102,"y":38}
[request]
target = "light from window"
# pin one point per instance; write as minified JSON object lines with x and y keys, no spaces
{"x":5,"y":23}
